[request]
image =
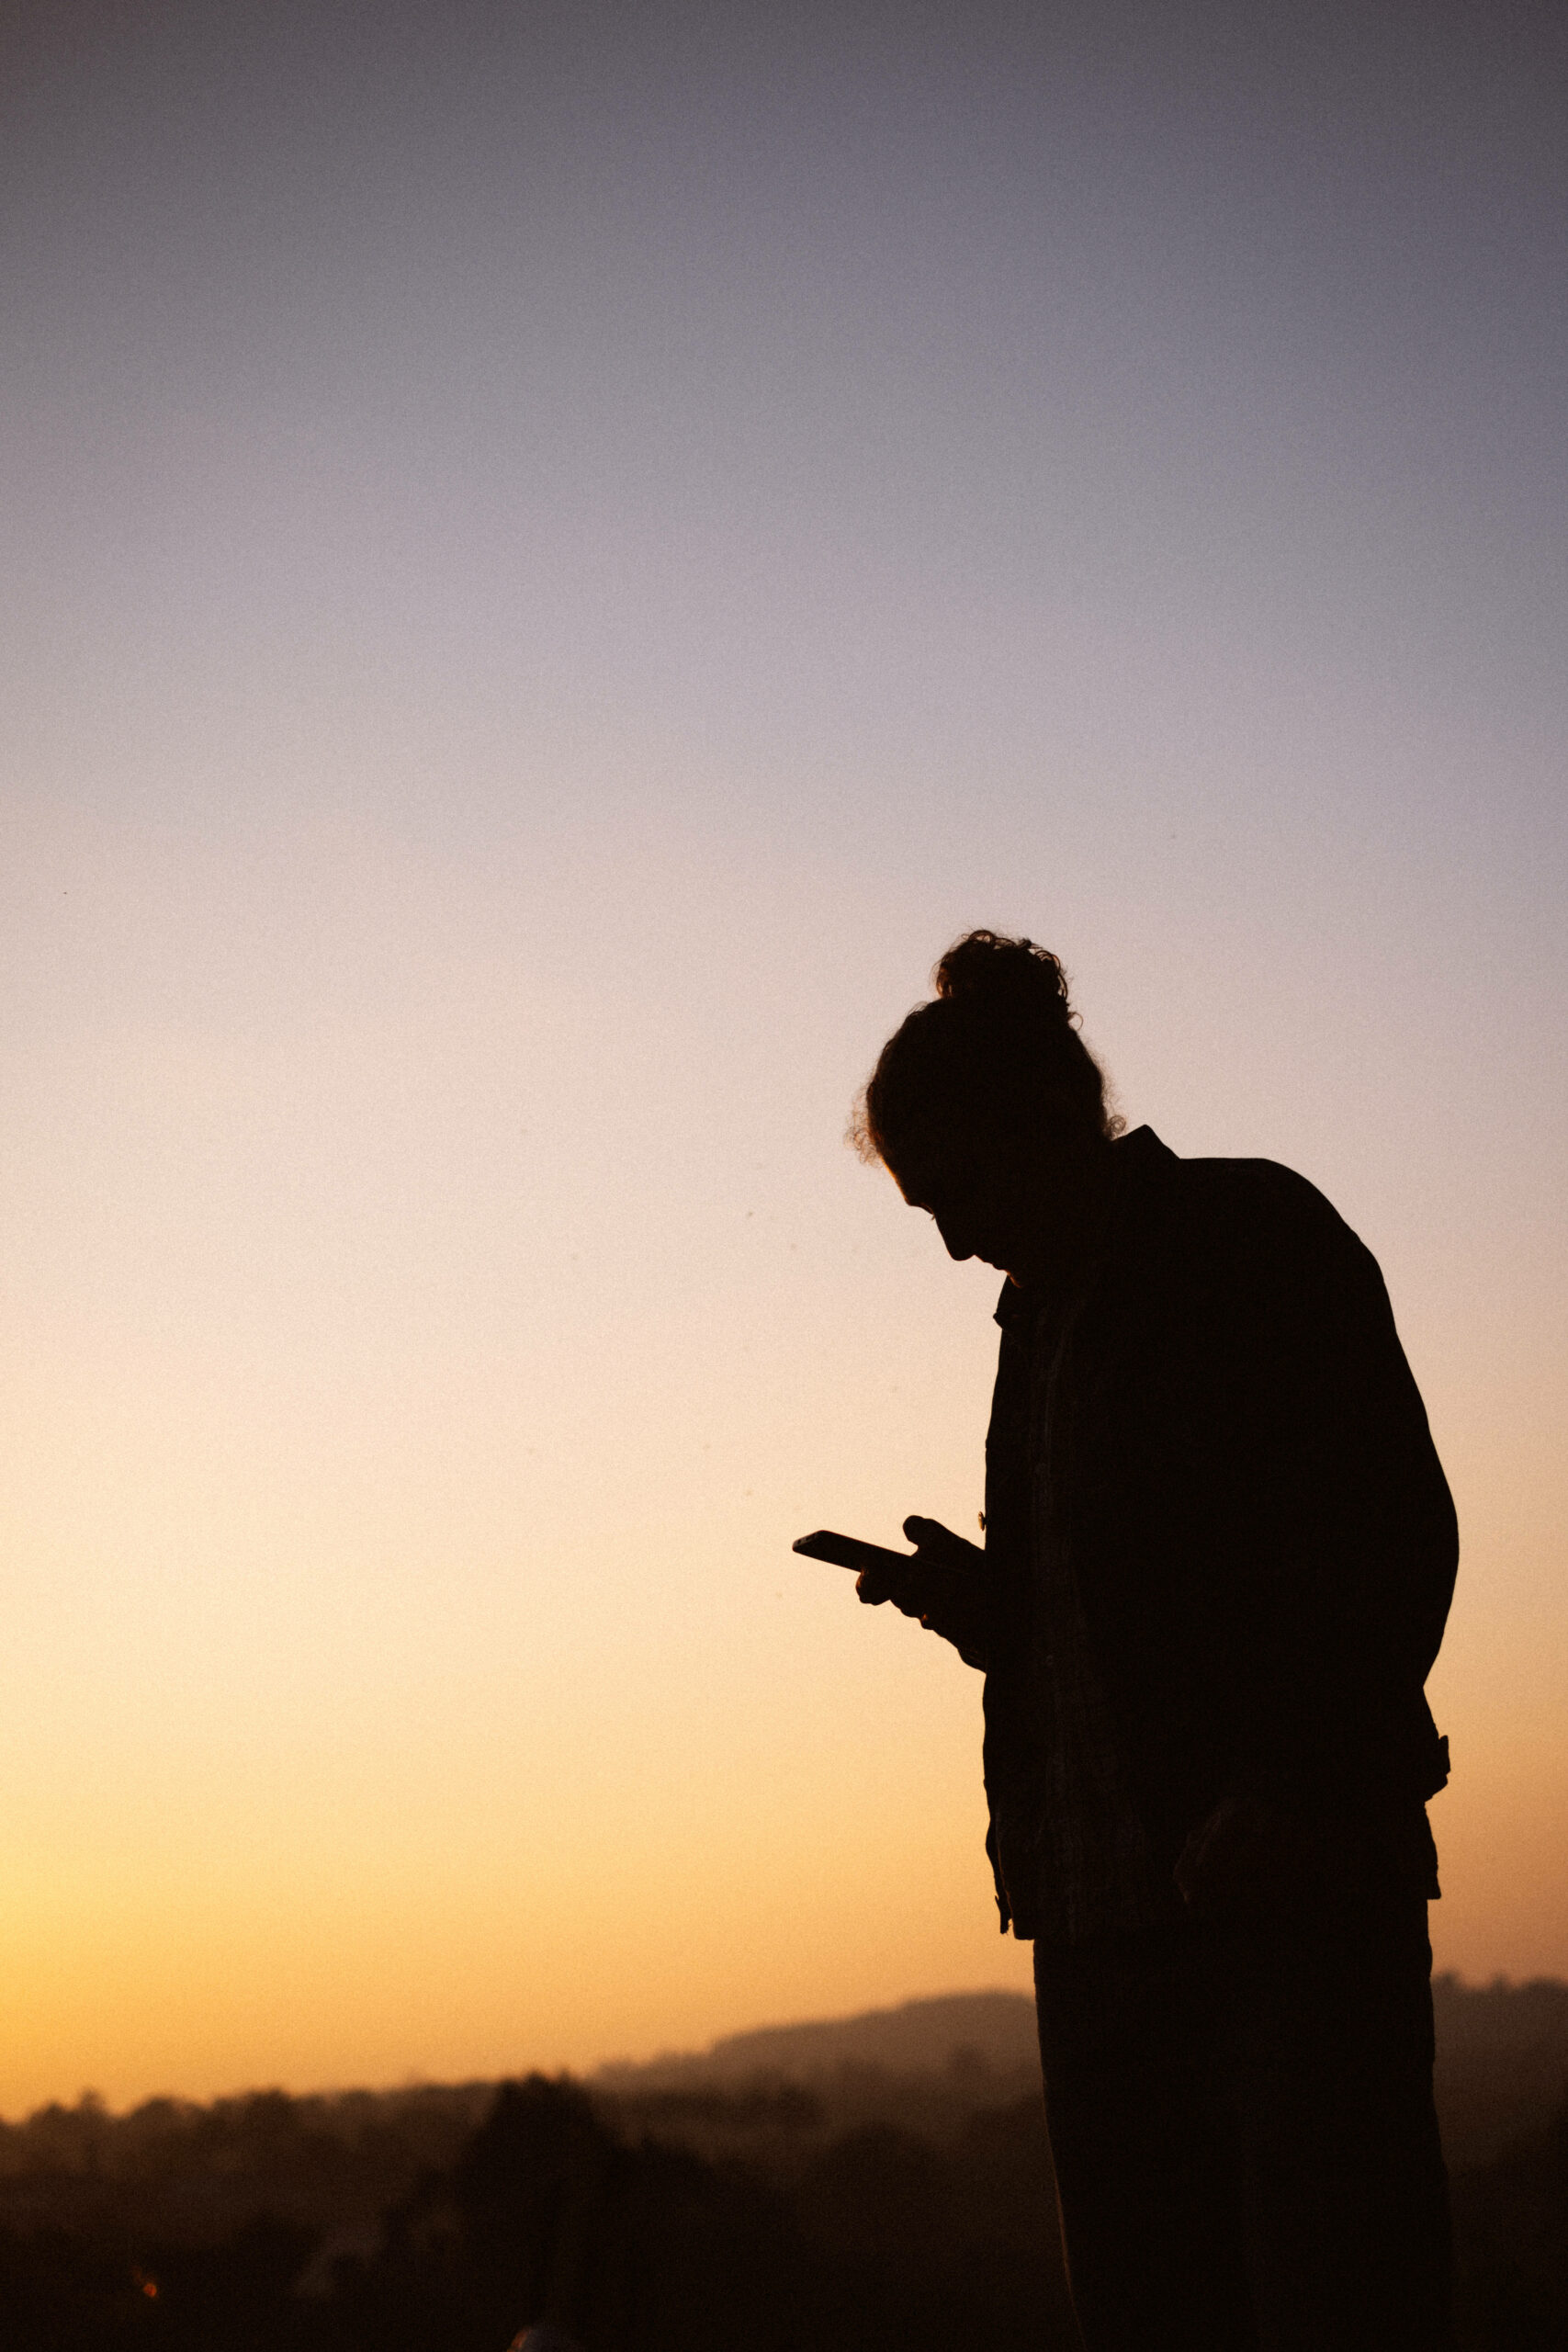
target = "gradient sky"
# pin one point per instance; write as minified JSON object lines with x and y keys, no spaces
{"x":554,"y":556}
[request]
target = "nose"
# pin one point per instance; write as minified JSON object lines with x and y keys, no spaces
{"x":954,"y":1242}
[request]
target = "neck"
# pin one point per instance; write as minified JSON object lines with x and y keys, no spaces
{"x":1072,"y":1211}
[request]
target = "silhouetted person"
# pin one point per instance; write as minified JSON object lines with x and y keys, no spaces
{"x":1219,"y":1553}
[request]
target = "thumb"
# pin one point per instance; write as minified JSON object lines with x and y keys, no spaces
{"x":920,"y":1531}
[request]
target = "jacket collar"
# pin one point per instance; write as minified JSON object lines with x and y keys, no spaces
{"x":1138,"y":1162}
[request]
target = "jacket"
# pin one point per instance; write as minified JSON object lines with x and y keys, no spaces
{"x":1262,"y":1535}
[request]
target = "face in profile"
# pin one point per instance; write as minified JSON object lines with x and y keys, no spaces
{"x":957,"y":1188}
{"x":1025,"y":1203}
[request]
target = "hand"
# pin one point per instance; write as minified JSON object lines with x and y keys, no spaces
{"x":941,"y":1585}
{"x":1243,"y":1857}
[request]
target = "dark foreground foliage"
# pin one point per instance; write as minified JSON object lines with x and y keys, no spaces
{"x":559,"y":2206}
{"x":868,"y":2238}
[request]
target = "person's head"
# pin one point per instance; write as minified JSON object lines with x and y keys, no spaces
{"x":990,"y":1111}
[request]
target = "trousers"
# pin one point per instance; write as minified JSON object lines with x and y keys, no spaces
{"x":1245,"y":2140}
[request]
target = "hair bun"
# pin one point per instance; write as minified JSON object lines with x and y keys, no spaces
{"x":998,"y":1041}
{"x":984,"y":969}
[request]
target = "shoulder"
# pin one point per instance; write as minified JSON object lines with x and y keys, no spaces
{"x":1234,"y":1196}
{"x":1250,"y":1227}
{"x":1261,"y":1194}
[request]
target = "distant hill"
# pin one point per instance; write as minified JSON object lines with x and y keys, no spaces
{"x":961,"y":2032}
{"x":1501,"y":2055}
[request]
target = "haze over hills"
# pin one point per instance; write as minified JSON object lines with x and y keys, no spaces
{"x":1501,"y":2066}
{"x":993,"y":2029}
{"x":925,"y":2066}
{"x":1501,"y":2055}
{"x":903,"y":2150}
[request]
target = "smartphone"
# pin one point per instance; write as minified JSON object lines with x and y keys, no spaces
{"x":848,"y":1552}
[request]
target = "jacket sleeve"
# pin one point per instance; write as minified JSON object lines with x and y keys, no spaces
{"x":1335,"y":1545}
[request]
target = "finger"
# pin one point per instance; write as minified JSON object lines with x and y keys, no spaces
{"x":910,"y":1595}
{"x":870,"y":1589}
{"x":932,"y":1541}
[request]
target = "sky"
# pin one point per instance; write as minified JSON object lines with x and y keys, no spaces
{"x":553,"y":558}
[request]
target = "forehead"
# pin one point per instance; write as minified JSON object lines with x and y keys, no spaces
{"x":934,"y":1171}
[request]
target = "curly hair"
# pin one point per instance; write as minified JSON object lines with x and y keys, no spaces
{"x":1000,"y":1041}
